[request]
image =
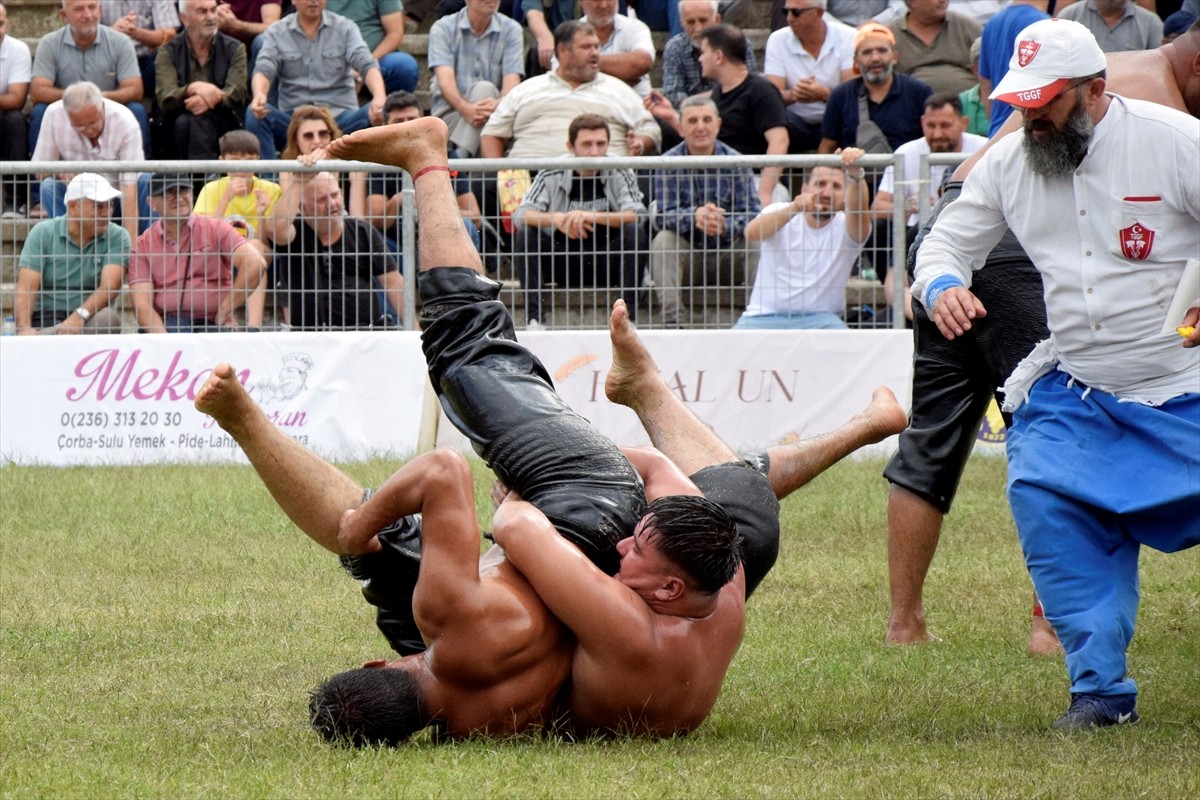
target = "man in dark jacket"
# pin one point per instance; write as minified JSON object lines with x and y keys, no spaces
{"x":201,"y":84}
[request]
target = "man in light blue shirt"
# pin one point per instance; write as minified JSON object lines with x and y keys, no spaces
{"x":476,"y":58}
{"x":311,"y":54}
{"x":381,"y":23}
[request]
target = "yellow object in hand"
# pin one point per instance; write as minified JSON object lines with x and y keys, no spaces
{"x":1185,"y":330}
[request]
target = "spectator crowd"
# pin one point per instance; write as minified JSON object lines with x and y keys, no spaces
{"x":138,"y":80}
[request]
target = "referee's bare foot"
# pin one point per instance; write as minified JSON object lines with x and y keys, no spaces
{"x":883,"y":416}
{"x":224,"y":398}
{"x":632,"y":364}
{"x":410,"y":145}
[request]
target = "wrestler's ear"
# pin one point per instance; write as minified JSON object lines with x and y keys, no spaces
{"x":672,"y":588}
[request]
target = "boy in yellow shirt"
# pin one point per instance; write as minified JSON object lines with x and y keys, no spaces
{"x":245,"y":202}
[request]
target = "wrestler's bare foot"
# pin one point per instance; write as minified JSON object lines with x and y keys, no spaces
{"x":409,"y":145}
{"x":908,"y":632}
{"x":1042,"y":639}
{"x":224,"y":398}
{"x":883,"y":416}
{"x":632,"y":364}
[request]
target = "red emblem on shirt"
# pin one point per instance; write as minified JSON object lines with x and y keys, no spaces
{"x":1136,"y":241}
{"x":1026,"y":50}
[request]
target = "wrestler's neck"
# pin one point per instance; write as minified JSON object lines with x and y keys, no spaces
{"x":690,"y":605}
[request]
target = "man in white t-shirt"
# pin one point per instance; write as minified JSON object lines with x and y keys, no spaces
{"x":944,"y":128}
{"x":86,"y":126}
{"x":808,"y":248}
{"x":806,"y":62}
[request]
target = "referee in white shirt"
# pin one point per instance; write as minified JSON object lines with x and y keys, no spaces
{"x":1104,"y":194}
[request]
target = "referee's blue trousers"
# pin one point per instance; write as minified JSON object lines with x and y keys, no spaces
{"x":1091,"y":480}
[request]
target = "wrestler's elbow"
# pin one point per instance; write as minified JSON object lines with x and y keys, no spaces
{"x":514,"y":521}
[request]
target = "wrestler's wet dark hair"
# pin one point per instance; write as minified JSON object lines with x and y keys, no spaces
{"x":698,"y":536}
{"x":368,"y":706}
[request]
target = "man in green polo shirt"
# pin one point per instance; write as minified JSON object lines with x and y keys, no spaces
{"x":72,"y":267}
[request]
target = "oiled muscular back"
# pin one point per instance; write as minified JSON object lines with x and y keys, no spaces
{"x":1144,"y":75}
{"x":662,"y":684}
{"x":499,"y":670}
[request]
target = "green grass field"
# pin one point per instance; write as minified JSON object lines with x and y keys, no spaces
{"x":161,"y":628}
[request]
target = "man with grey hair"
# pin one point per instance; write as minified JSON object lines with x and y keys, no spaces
{"x":327,"y":264}
{"x":681,"y":76}
{"x":1118,"y":25}
{"x":201,"y":82}
{"x":701,"y":216}
{"x":86,"y":126}
{"x":85,"y":50}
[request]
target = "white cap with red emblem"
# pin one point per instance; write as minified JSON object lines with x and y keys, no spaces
{"x":1047,"y":55}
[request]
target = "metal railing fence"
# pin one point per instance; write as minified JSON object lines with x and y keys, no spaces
{"x":312,"y":282}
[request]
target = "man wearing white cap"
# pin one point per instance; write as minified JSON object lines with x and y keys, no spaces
{"x":1102,"y":451}
{"x":71,"y":267}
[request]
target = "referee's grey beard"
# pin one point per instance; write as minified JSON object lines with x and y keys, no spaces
{"x":1059,"y":150}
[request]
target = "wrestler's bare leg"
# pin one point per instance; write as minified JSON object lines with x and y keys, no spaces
{"x":313,"y":493}
{"x":635,"y":381}
{"x":419,"y":147}
{"x":914,"y":527}
{"x":794,"y":465}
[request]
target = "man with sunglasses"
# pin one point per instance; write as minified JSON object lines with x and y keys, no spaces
{"x":806,"y":62}
{"x":1106,"y":410}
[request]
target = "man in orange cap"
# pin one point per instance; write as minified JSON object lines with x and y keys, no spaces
{"x":894,"y":101}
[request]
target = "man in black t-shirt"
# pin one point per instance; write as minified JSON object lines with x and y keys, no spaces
{"x":329,"y":264}
{"x":753,"y":116}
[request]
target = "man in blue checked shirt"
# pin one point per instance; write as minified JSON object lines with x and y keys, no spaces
{"x":701,"y":216}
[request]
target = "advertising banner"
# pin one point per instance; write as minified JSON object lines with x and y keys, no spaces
{"x":109,"y":400}
{"x":754,"y":388}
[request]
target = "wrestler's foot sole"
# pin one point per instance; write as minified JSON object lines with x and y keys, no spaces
{"x":223,"y":397}
{"x":410,"y":145}
{"x":632,"y":363}
{"x":910,"y":632}
{"x":883,"y":415}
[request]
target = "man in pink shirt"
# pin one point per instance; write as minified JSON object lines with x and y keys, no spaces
{"x":189,"y":273}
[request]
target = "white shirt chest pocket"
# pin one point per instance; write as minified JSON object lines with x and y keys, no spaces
{"x":1134,"y":223}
